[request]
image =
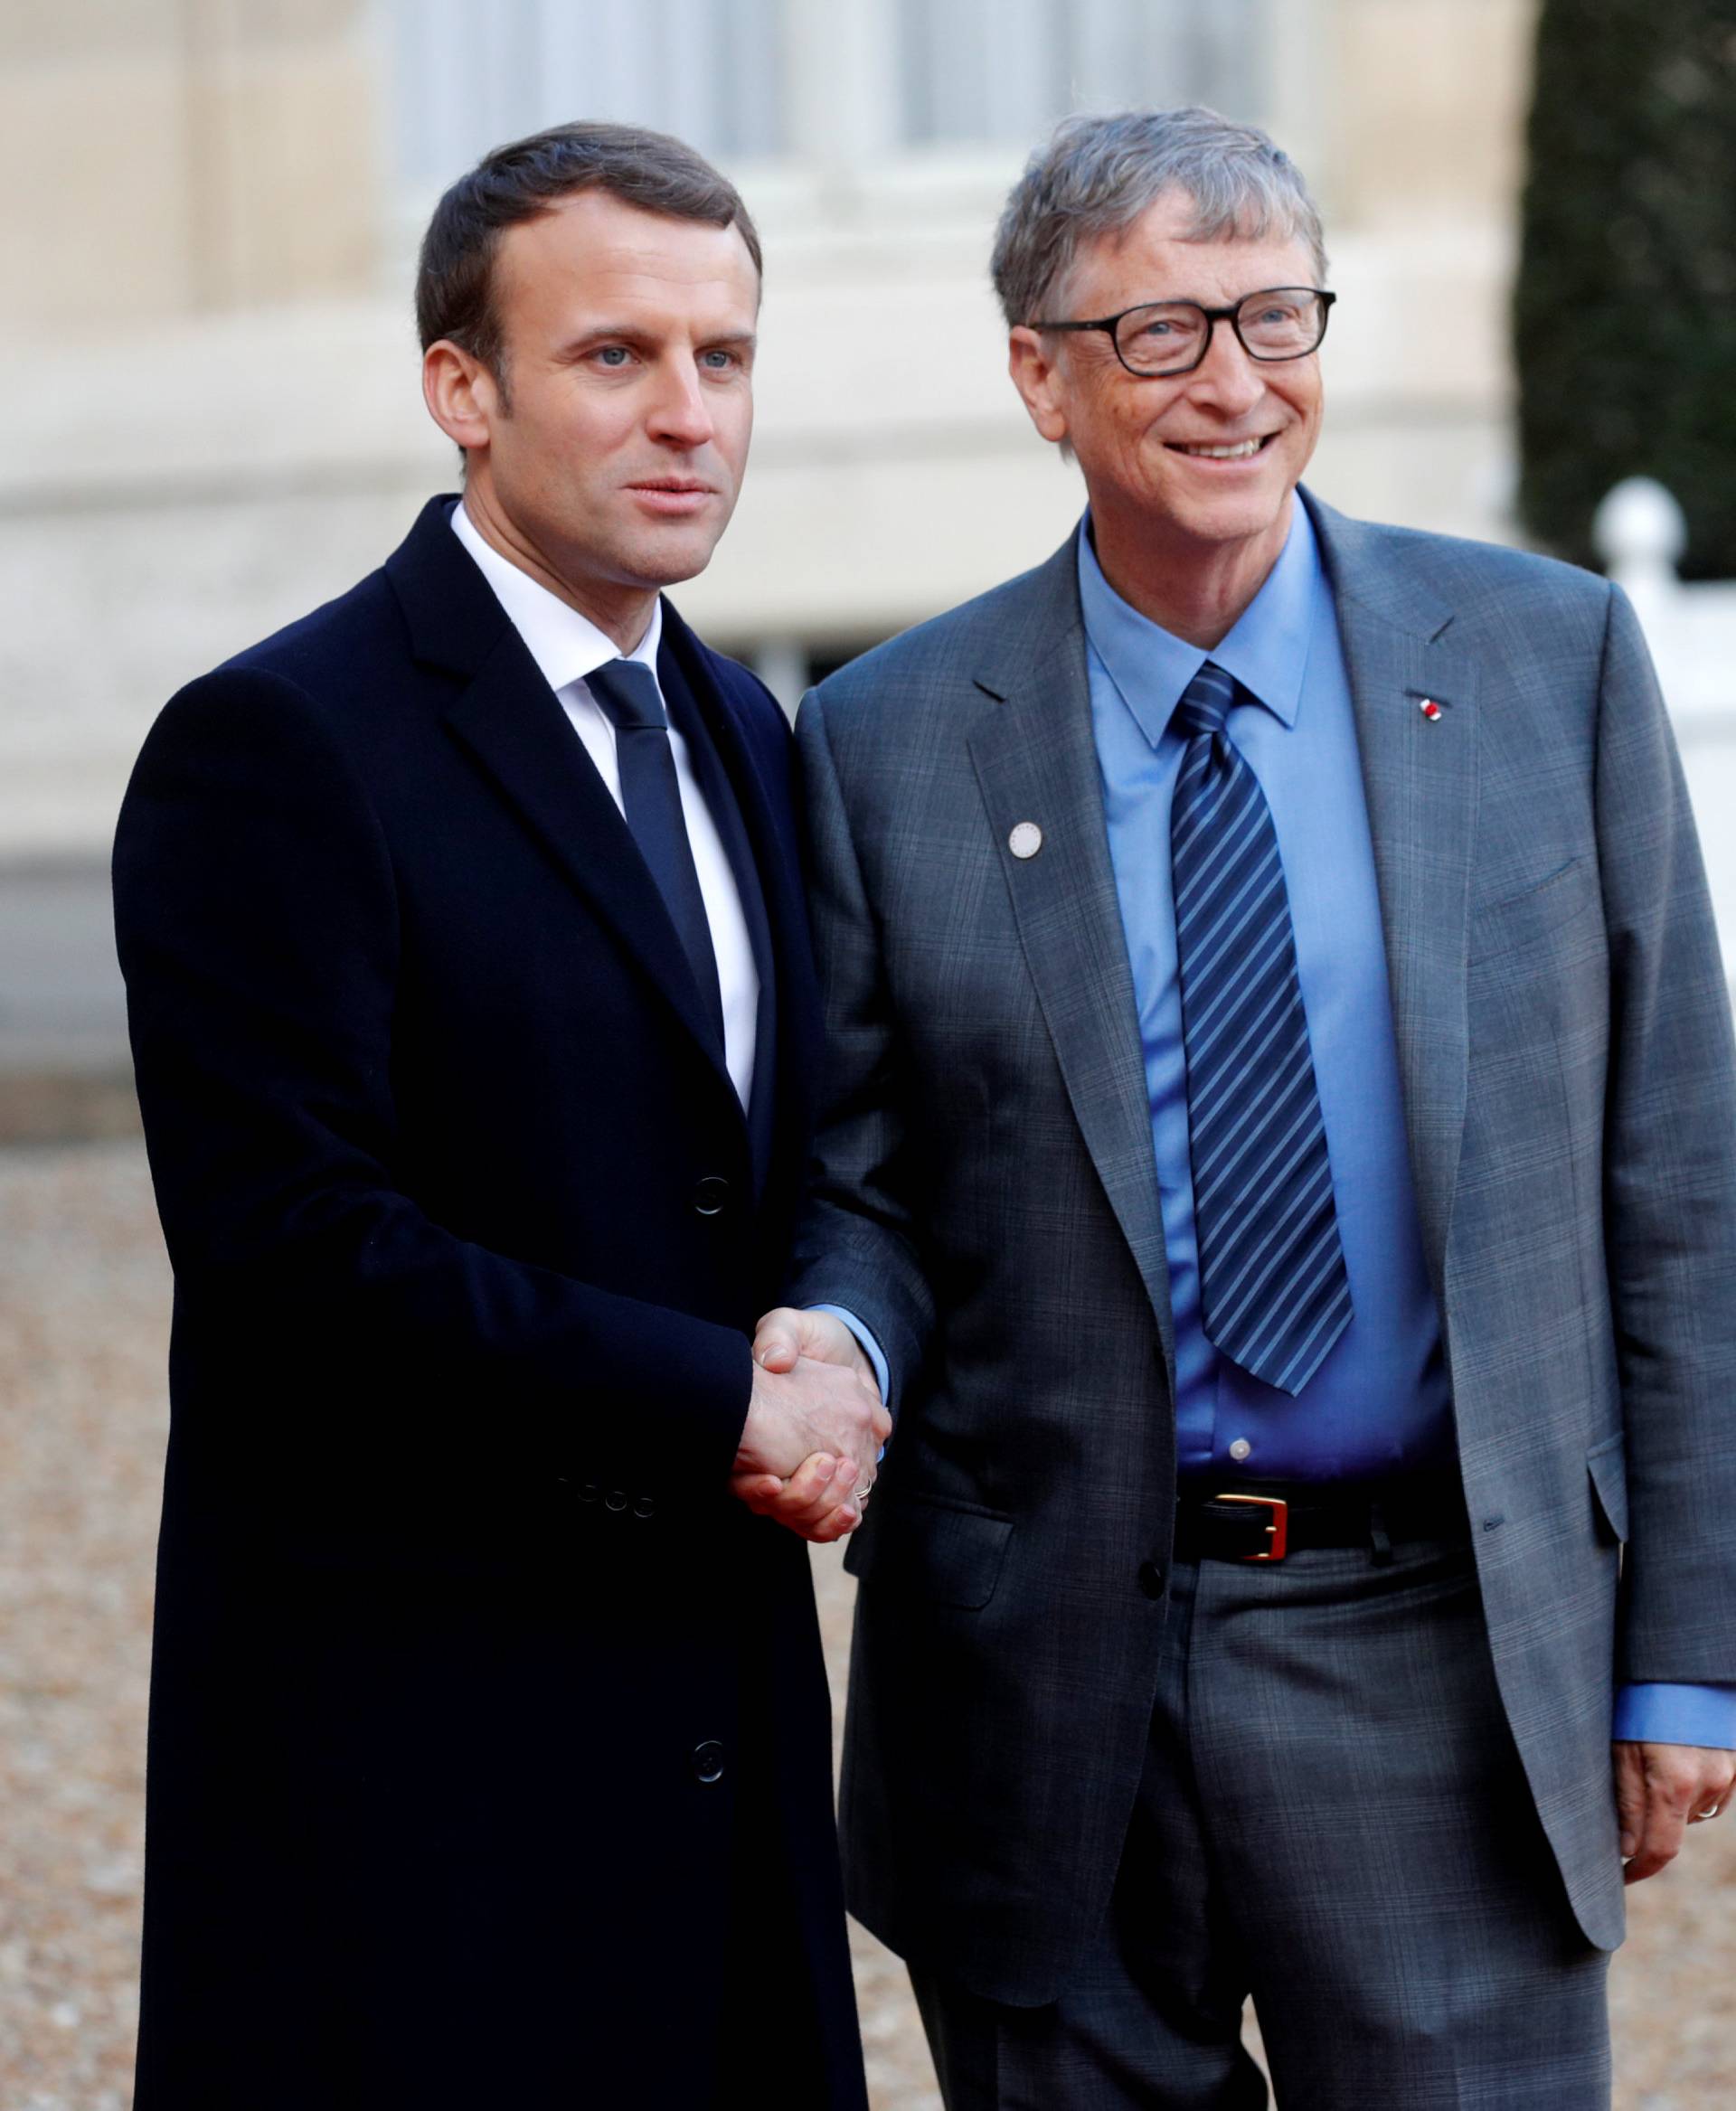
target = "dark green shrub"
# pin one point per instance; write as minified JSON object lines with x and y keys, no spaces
{"x":1625,"y":312}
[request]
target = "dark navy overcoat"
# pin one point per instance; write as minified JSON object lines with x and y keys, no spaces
{"x":489,"y":1748}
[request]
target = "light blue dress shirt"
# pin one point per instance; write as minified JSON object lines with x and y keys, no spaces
{"x":1379,"y":1405}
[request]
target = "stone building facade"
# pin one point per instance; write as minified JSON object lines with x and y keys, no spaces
{"x":208,"y":216}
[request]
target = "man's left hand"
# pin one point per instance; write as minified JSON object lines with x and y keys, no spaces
{"x":1660,"y":1791}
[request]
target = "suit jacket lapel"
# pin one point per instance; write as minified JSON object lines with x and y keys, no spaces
{"x":1036,"y":761}
{"x":510,"y":721}
{"x":1419,"y":775}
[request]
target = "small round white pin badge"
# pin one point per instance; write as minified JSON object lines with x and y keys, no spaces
{"x":1025,"y":841}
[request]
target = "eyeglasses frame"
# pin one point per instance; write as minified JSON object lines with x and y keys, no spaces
{"x":1213,"y":317}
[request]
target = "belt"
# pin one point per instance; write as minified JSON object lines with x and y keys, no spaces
{"x":1264,"y":1521}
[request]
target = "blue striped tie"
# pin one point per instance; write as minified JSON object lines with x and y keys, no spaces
{"x":1274,"y":1292}
{"x":651,"y":802}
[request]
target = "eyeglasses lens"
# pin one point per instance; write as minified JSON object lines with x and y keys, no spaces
{"x":1169,"y":336}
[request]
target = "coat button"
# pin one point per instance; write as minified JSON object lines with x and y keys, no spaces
{"x":708,"y":1761}
{"x":711,"y":1195}
{"x":615,"y":1499}
{"x":590,"y":1491}
{"x":1151,"y":1578}
{"x":643,"y":1506}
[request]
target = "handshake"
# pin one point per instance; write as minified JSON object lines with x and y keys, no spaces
{"x":815,"y":1424}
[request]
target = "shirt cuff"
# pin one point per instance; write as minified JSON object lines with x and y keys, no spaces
{"x":1658,"y":1714}
{"x":869,"y":1346}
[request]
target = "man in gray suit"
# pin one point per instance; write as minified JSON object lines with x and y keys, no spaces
{"x":1282,"y":1151}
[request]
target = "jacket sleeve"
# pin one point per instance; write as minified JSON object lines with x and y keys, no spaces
{"x":257,"y":926}
{"x":858,"y":1244}
{"x":1669,"y":1187}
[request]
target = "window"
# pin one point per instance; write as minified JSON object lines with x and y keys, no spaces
{"x":720,"y":73}
{"x":466,"y":78}
{"x":1003,"y":70}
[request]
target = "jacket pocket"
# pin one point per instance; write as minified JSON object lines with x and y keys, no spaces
{"x":949,"y":1553}
{"x":1607,"y":1463}
{"x":1538,"y":915}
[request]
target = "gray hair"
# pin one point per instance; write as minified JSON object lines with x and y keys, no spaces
{"x":1097,"y":174}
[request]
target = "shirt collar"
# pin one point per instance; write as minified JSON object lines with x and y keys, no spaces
{"x":1266,"y":651}
{"x":565,"y":644}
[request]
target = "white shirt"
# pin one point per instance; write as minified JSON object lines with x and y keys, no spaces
{"x":566,"y":647}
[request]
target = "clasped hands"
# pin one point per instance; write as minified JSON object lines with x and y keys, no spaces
{"x":814,"y":1426}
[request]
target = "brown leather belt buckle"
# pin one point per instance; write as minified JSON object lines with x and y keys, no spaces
{"x":1278,"y":1531}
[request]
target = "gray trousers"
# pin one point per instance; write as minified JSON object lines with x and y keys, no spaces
{"x":1333,"y":1819}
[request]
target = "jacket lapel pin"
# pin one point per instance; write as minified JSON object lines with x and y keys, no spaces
{"x":1430,"y":710}
{"x":1025,"y":840}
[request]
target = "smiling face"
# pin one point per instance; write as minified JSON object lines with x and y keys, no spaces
{"x":1191,"y":475}
{"x":610,"y":462}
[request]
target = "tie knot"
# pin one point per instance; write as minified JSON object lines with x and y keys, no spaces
{"x":1207,"y":701}
{"x":627,"y":691}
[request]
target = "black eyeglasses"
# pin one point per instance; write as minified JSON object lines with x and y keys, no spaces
{"x":1163,"y":337}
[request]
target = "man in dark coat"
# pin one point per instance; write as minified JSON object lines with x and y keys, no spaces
{"x":475,"y":1029}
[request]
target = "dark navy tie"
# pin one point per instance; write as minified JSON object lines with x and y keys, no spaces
{"x":651,"y":800}
{"x":1274,"y":1293}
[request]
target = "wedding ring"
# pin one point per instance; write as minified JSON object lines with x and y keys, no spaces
{"x":1712,"y":1813}
{"x":863,"y":1492}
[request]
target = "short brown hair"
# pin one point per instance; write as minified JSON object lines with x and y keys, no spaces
{"x":454,"y":278}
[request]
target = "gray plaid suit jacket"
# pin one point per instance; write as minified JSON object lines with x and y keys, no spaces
{"x":985,"y":1200}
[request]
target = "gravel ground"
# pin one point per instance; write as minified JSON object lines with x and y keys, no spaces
{"x":84,"y":1324}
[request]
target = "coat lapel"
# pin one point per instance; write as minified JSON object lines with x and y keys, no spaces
{"x":740,"y":809}
{"x":512,"y":724}
{"x":786,"y":1087}
{"x":1420,"y":777}
{"x":1036,"y":761}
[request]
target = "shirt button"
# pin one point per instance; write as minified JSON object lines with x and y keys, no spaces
{"x":1241,"y":1449}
